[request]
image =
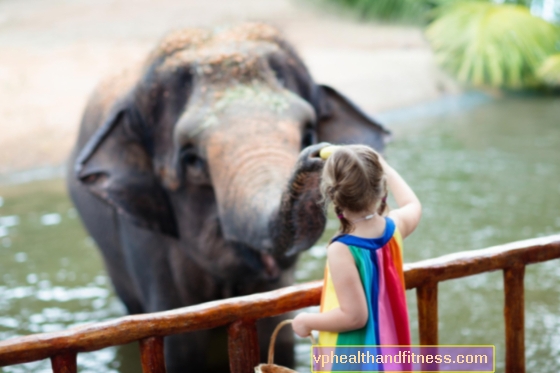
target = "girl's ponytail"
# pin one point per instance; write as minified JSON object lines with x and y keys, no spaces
{"x":382,"y":206}
{"x":345,"y":224}
{"x":383,"y":203}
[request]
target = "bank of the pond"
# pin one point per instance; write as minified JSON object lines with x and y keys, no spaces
{"x":53,"y":53}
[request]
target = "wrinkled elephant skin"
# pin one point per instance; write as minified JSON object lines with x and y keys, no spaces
{"x":197,"y":175}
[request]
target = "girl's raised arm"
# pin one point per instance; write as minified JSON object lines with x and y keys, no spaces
{"x":407,"y":216}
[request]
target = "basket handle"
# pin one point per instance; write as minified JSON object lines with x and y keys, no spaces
{"x":273,"y":339}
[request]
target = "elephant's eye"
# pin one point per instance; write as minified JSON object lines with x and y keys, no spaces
{"x":191,"y":159}
{"x":309,"y":137}
{"x":194,"y":165}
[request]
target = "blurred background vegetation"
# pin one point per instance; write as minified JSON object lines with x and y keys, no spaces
{"x":508,"y":44}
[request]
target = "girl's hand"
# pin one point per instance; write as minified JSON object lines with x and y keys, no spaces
{"x":300,"y":325}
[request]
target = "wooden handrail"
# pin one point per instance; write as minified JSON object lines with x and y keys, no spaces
{"x":241,"y":312}
{"x":511,"y":258}
{"x":128,"y":329}
{"x":468,"y":263}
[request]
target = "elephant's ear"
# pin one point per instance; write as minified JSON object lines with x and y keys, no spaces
{"x":115,"y":165}
{"x":339,"y":121}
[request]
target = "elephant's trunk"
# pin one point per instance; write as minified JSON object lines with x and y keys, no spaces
{"x":250,"y":198}
{"x":301,"y":218}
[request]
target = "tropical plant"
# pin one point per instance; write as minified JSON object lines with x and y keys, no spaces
{"x":527,"y":3}
{"x":499,"y":45}
{"x":391,"y":10}
{"x":494,"y":43}
{"x":412,"y":11}
{"x":549,"y":72}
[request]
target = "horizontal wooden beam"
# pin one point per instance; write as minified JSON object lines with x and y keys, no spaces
{"x":133,"y":328}
{"x":210,"y":315}
{"x":468,"y":263}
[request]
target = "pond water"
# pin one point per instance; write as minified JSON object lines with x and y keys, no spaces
{"x":486,"y":174}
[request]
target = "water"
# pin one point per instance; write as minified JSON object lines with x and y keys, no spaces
{"x":486,"y":175}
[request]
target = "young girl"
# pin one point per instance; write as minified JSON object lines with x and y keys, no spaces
{"x":363,"y":301}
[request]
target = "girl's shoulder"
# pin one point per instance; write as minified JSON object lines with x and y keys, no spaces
{"x":336,"y":246}
{"x":338,"y":252}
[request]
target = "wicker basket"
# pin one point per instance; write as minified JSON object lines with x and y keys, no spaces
{"x":270,"y":367}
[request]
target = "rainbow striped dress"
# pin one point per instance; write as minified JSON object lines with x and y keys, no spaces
{"x":380,"y":264}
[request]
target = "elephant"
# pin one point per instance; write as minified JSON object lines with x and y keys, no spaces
{"x":196,"y":173}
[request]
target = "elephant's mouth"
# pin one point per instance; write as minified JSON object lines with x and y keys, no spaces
{"x":258,"y":261}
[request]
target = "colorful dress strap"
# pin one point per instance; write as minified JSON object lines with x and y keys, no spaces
{"x":369,"y":243}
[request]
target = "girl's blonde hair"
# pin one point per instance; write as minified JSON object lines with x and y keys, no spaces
{"x":353,"y":180}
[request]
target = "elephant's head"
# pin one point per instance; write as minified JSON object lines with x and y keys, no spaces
{"x":216,"y":145}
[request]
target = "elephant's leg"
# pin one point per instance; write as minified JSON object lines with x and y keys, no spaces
{"x":101,"y":222}
{"x":186,"y":352}
{"x":201,"y":351}
{"x":145,"y":255}
{"x":196,"y":285}
{"x":148,"y":256}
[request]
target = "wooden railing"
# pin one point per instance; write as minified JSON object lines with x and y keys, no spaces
{"x":241,"y":313}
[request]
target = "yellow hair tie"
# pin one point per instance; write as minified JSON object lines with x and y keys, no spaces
{"x":327,"y":151}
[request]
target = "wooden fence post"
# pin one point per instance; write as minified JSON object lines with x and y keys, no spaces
{"x":151,"y":354}
{"x":64,"y":363}
{"x":514,"y":315}
{"x":243,"y":346}
{"x":427,"y":299}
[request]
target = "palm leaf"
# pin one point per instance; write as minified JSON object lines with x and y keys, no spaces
{"x":499,"y":45}
{"x":549,"y":72}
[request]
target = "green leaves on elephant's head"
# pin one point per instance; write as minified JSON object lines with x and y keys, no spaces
{"x":254,"y":92}
{"x":487,"y":44}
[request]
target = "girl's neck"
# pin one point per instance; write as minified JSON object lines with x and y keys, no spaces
{"x":366,"y":228}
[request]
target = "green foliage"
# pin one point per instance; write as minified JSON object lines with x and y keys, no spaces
{"x":499,"y":45}
{"x":549,"y":72}
{"x":390,"y":10}
{"x":527,"y":3}
{"x":481,"y":42}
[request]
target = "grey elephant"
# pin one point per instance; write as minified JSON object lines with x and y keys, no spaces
{"x":196,"y":174}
